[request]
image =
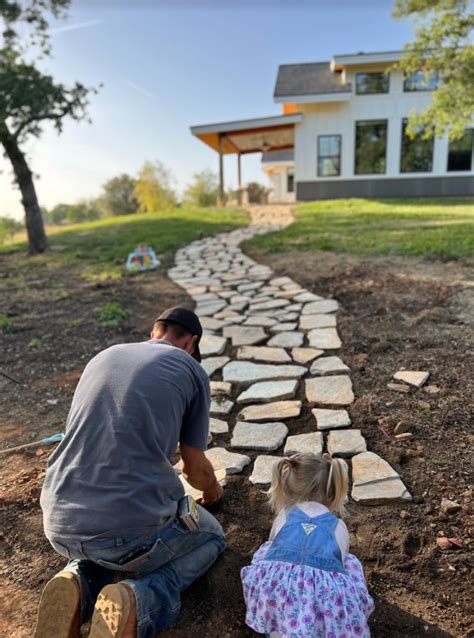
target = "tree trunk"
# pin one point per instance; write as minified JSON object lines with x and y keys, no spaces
{"x":37,"y":241}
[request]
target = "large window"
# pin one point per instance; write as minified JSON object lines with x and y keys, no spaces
{"x":290,"y":180}
{"x":417,"y":153}
{"x":370,"y":147}
{"x":372,"y":83}
{"x":419,"y":82}
{"x":460,"y":152}
{"x":329,"y":155}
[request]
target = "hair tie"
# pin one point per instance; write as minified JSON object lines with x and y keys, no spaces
{"x":327,"y":456}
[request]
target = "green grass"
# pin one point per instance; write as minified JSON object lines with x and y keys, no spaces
{"x":113,"y":315}
{"x":434,"y":228}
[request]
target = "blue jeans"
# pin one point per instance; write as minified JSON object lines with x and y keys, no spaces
{"x":168,"y":561}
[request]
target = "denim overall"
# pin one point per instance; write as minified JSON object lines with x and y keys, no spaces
{"x":304,"y":540}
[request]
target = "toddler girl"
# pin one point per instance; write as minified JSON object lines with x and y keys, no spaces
{"x":303,"y":582}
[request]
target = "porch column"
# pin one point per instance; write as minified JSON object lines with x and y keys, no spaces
{"x":239,"y":178}
{"x":221,"y":169}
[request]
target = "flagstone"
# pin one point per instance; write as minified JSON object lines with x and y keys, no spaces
{"x":217,"y":426}
{"x":272,"y":304}
{"x":308,"y":322}
{"x":311,"y":442}
{"x":212,"y":345}
{"x":211,"y":364}
{"x":287,"y":339}
{"x":269,"y":391}
{"x":320,"y":307}
{"x":246,"y":372}
{"x":375,"y":482}
{"x":328,"y":419}
{"x":324,"y":338}
{"x":346,"y":443}
{"x":282,"y":281}
{"x":263,"y":353}
{"x":284,"y":327}
{"x":334,"y":390}
{"x":254,"y":285}
{"x":328,"y":365}
{"x":245,"y":335}
{"x":206,"y":296}
{"x":221,"y":459}
{"x":263,"y":469}
{"x":412,"y":377}
{"x":189,"y":490}
{"x":305,"y":297}
{"x":220,"y":387}
{"x":260,"y":320}
{"x":271,"y":411}
{"x":305,"y":355}
{"x":221,"y":405}
{"x":209,"y":323}
{"x":208,"y":309}
{"x":258,"y":436}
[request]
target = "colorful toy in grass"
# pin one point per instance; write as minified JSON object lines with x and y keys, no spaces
{"x":142,"y":258}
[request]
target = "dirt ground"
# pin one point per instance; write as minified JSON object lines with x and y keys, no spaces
{"x":394,"y":313}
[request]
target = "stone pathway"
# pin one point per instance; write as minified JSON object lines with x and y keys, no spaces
{"x":273,"y":353}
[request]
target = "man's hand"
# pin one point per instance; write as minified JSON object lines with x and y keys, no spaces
{"x":213,"y":495}
{"x":199,"y":473}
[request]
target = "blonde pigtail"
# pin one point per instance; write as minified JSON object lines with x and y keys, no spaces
{"x":337,"y":486}
{"x":278,"y":489}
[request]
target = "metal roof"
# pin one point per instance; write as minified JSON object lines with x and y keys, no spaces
{"x":311,"y":78}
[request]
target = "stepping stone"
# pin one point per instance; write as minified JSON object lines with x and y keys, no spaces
{"x":212,"y":364}
{"x":320,"y":307}
{"x":283,"y":327}
{"x":267,"y":305}
{"x":260,"y":320}
{"x":246,"y":372}
{"x":282,"y":281}
{"x":201,"y":281}
{"x":327,"y":365}
{"x":375,"y":482}
{"x":209,"y":323}
{"x":263,"y":468}
{"x":308,"y":322}
{"x":305,"y":355}
{"x":269,"y":391}
{"x":225,"y":314}
{"x":287,"y":339}
{"x":325,"y":338}
{"x":412,"y":377}
{"x":216,"y":426}
{"x":212,"y":345}
{"x":305,"y":297}
{"x":206,"y":310}
{"x":329,"y":390}
{"x":220,"y":388}
{"x":243,"y":335}
{"x":206,"y":296}
{"x":233,"y":319}
{"x":189,"y":490}
{"x":346,"y":443}
{"x":221,"y":459}
{"x":271,"y":411}
{"x":220,"y":405}
{"x":328,"y":419}
{"x":254,"y":285}
{"x":259,"y":436}
{"x":304,"y":443}
{"x":263,"y":353}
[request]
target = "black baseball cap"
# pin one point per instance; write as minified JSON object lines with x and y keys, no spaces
{"x":188,"y":320}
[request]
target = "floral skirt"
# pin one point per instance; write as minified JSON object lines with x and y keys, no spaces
{"x":297,"y":600}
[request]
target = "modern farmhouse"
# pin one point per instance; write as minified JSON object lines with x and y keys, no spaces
{"x":342,"y":134}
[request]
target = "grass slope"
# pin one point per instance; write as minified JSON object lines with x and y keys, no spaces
{"x":440,"y":228}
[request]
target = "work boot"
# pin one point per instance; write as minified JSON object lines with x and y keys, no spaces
{"x":60,"y":608}
{"x":115,"y":613}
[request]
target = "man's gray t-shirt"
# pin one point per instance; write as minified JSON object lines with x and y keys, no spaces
{"x":111,"y":475}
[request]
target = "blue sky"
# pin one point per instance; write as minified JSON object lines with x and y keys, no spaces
{"x":168,"y":65}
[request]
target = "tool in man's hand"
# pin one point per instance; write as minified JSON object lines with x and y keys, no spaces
{"x":54,"y":438}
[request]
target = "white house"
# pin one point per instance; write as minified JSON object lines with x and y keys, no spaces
{"x":342,"y":134}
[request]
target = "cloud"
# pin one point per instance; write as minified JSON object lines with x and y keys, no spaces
{"x":140,"y":89}
{"x":75,"y":26}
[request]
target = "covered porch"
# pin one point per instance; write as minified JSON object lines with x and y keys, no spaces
{"x":260,"y":135}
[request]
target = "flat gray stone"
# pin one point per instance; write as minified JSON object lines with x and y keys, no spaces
{"x":412,"y":377}
{"x":375,"y":482}
{"x":254,"y":285}
{"x":263,"y":353}
{"x":264,"y":306}
{"x":189,"y":490}
{"x":246,"y":372}
{"x":205,"y":296}
{"x":258,"y":436}
{"x":245,"y":335}
{"x":263,"y":468}
{"x":328,"y":365}
{"x":269,"y":391}
{"x":271,"y":411}
{"x":305,"y":297}
{"x":208,"y":309}
{"x":335,"y":390}
{"x":287,"y":339}
{"x":329,"y":419}
{"x":260,"y":320}
{"x":305,"y":355}
{"x":308,"y":322}
{"x":216,"y":426}
{"x":320,"y":307}
{"x":284,"y":327}
{"x":304,"y":443}
{"x":221,"y":405}
{"x":346,"y":443}
{"x":211,"y":364}
{"x":209,"y":323}
{"x":220,"y":388}
{"x":212,"y":345}
{"x":324,"y":338}
{"x":282,"y":281}
{"x":221,"y":459}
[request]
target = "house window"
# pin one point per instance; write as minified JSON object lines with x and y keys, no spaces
{"x":417,"y":153}
{"x":290,"y":181}
{"x":419,"y":82}
{"x":329,"y":155}
{"x":372,"y":83}
{"x":370,"y":147}
{"x":460,"y":152}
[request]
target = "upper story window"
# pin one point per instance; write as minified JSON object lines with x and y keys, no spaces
{"x":370,"y":147}
{"x":290,"y":180}
{"x":419,"y":82}
{"x":368,"y":83}
{"x":460,"y":152}
{"x":417,"y":153}
{"x":329,"y":155}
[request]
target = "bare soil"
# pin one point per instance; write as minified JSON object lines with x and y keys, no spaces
{"x":394,"y":313}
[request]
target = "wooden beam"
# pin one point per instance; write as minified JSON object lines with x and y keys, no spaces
{"x":221,"y":169}
{"x":239,"y":178}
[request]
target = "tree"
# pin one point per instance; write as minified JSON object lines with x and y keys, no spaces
{"x":73,"y":213}
{"x":203,"y":190}
{"x":9,"y":228}
{"x":29,"y":98}
{"x":154,"y":190}
{"x":118,"y":197}
{"x":441,"y":49}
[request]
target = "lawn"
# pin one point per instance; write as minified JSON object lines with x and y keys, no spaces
{"x":434,"y":228}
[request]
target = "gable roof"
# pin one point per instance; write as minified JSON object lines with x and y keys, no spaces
{"x":310,"y":78}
